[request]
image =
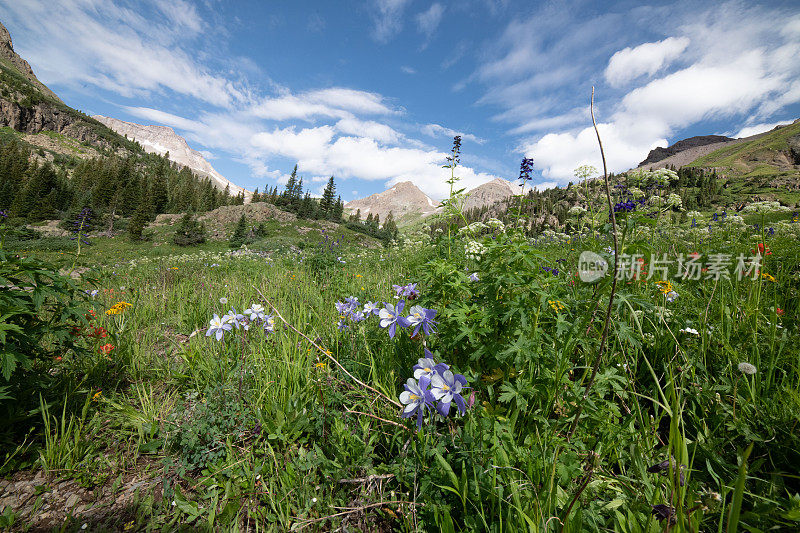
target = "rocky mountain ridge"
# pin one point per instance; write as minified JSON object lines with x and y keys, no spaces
{"x":659,"y":153}
{"x":163,"y":140}
{"x":8,"y":54}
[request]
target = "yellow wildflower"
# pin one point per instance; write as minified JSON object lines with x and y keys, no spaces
{"x":97,"y":395}
{"x":768,"y":277}
{"x":557,"y":305}
{"x":664,"y":286}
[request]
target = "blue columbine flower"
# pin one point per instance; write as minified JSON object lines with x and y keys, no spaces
{"x":474,"y":277}
{"x":420,"y":317}
{"x":256,"y":312}
{"x":217,"y":327}
{"x":269,"y":323}
{"x":416,"y":398}
{"x":371,"y":308}
{"x":427,"y":366}
{"x":446,"y":388}
{"x":390,"y":317}
{"x":342,"y":308}
{"x":234,"y":318}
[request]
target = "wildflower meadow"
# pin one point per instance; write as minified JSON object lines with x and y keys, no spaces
{"x":473,"y":379}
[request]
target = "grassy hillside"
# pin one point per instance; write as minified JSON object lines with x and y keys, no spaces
{"x":765,"y":156}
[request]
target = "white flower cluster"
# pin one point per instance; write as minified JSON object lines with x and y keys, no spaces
{"x":694,"y":214}
{"x":495,"y":225}
{"x":474,"y":250}
{"x":766,"y":207}
{"x":577,"y":210}
{"x":733,"y":220}
{"x":663,"y":176}
{"x":473,"y":229}
{"x":636,"y":192}
{"x":674,"y":200}
{"x":549,"y":234}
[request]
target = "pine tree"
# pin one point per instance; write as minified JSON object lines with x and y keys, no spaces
{"x":189,"y":231}
{"x":338,"y":210}
{"x":326,"y":204}
{"x":239,"y":235}
{"x":291,"y":187}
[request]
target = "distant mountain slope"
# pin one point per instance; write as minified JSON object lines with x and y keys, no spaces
{"x":404,"y":200}
{"x":162,"y":139}
{"x":489,"y":193}
{"x":658,"y":154}
{"x":776,"y":152}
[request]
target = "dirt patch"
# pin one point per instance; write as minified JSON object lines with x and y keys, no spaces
{"x":42,"y":503}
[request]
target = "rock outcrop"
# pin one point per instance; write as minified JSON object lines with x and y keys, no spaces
{"x":162,"y":140}
{"x":45,"y":116}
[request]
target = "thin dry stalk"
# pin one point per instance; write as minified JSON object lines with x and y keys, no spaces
{"x":604,"y":335}
{"x":326,"y":352}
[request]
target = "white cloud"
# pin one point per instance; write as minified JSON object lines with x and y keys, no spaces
{"x":755,"y":129}
{"x":437,"y":130}
{"x":335,"y":102}
{"x":368,"y":128}
{"x":161,"y":117}
{"x":387,"y":18}
{"x":100,"y":44}
{"x":429,"y":20}
{"x":648,"y":58}
{"x":738,"y":63}
{"x":408,"y":70}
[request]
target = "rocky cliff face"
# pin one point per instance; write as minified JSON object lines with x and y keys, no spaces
{"x":162,"y":139}
{"x":401,"y":200}
{"x":8,"y":54}
{"x":44,"y":116}
{"x":659,"y":153}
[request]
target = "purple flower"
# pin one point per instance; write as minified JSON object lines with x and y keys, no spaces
{"x":390,"y":317}
{"x":446,"y":388}
{"x":416,"y":398}
{"x":341,"y":325}
{"x":474,"y":277}
{"x":420,"y":317}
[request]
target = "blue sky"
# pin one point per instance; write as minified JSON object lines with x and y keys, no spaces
{"x":372,"y":91}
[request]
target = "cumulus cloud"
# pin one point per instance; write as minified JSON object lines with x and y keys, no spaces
{"x":726,"y":61}
{"x":371,"y":129}
{"x":648,"y":58}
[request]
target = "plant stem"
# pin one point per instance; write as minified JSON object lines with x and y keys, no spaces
{"x":613,"y":281}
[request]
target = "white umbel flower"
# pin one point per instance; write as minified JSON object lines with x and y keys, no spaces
{"x":747,"y":368}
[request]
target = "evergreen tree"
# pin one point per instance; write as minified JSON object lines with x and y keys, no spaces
{"x":239,"y":235}
{"x":338,"y":210}
{"x":327,"y":203}
{"x":189,"y":231}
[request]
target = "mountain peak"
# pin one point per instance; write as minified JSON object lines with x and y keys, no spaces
{"x":402,"y":199}
{"x":162,"y":140}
